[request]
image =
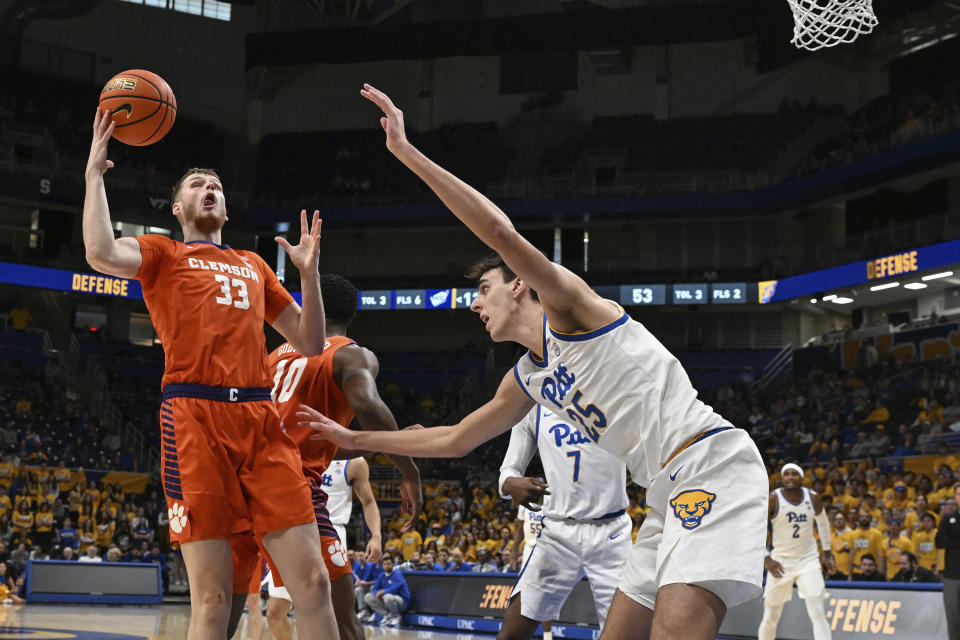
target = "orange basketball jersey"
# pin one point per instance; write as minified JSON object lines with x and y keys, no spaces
{"x":208,"y":303}
{"x":301,"y":380}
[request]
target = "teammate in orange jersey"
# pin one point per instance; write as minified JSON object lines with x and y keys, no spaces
{"x":341,"y":380}
{"x":226,"y":463}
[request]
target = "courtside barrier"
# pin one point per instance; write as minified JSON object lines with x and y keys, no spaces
{"x":93,"y":582}
{"x":475,"y":602}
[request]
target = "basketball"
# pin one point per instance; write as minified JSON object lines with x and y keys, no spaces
{"x":142,"y":106}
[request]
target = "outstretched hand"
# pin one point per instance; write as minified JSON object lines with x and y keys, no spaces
{"x":306,"y":255}
{"x":97,"y":163}
{"x":392,"y":120}
{"x":326,"y":428}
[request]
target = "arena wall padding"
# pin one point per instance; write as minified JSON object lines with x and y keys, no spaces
{"x":93,"y":582}
{"x":856,"y":610}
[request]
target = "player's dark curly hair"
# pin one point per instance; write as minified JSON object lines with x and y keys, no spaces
{"x":494,"y":261}
{"x":339,"y":298}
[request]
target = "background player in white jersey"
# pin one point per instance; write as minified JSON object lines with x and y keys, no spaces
{"x":586,"y":530}
{"x":341,"y":480}
{"x":793,"y":554}
{"x":531,"y":523}
{"x":591,"y":363}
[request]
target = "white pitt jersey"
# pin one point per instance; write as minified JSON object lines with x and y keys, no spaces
{"x":339,"y":492}
{"x":585,"y":481}
{"x":532,"y":525}
{"x":793,"y":527}
{"x":621,"y":388}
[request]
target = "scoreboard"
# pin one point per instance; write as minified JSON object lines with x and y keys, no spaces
{"x":641,"y":295}
{"x":629,"y":295}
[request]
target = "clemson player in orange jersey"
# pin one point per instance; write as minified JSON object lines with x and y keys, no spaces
{"x":227,"y":465}
{"x":341,"y":380}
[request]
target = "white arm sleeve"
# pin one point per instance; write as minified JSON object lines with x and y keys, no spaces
{"x":823,"y":528}
{"x":523,"y":444}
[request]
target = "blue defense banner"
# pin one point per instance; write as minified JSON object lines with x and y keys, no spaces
{"x":879,"y":268}
{"x":75,"y":281}
{"x":475,"y":602}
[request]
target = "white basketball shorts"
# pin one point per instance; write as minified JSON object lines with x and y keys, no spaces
{"x":565,"y":552}
{"x":805,"y":572}
{"x":707,"y":524}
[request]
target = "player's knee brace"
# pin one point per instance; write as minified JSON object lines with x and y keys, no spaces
{"x":771,"y":616}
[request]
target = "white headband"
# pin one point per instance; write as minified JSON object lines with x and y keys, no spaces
{"x":793,"y":466}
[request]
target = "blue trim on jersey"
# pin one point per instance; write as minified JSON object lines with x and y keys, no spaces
{"x":516,"y":374}
{"x":543,"y":347}
{"x":537,"y":436}
{"x":612,"y":515}
{"x":346,"y":478}
{"x":580,"y":337}
{"x":222,"y":247}
{"x":712,"y":432}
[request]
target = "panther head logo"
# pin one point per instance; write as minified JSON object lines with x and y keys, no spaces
{"x":690,"y":506}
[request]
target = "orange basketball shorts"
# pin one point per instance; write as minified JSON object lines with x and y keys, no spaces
{"x":246,"y":547}
{"x":249,"y":566}
{"x":227,"y":464}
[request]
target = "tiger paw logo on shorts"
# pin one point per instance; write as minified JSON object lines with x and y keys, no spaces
{"x":691,"y":506}
{"x":337,"y":553}
{"x":177,"y":516}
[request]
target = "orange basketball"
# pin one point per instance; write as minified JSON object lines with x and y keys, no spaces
{"x":141,"y":105}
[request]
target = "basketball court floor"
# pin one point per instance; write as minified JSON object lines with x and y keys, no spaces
{"x":166,"y":622}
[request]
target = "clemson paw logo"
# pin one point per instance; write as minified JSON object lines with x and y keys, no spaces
{"x":178,"y":519}
{"x":337,"y":553}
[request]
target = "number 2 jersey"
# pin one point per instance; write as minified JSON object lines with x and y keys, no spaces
{"x":792,"y":527}
{"x":300,"y":380}
{"x":622,"y":389}
{"x":208,"y":303}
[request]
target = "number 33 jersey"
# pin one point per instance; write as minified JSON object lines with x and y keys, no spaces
{"x":622,"y":389}
{"x":208,"y":303}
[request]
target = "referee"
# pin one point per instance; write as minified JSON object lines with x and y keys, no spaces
{"x":948,"y":537}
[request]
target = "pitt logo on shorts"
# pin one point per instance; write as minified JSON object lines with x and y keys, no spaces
{"x":690,"y":506}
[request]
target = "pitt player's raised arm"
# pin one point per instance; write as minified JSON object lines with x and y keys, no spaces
{"x":114,"y":256}
{"x":355,"y":371}
{"x":504,"y":410}
{"x":570,"y":303}
{"x":304,"y":327}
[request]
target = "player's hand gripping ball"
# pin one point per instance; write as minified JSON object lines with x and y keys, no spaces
{"x":142,"y":107}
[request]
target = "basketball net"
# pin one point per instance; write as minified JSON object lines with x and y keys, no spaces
{"x":826,"y":23}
